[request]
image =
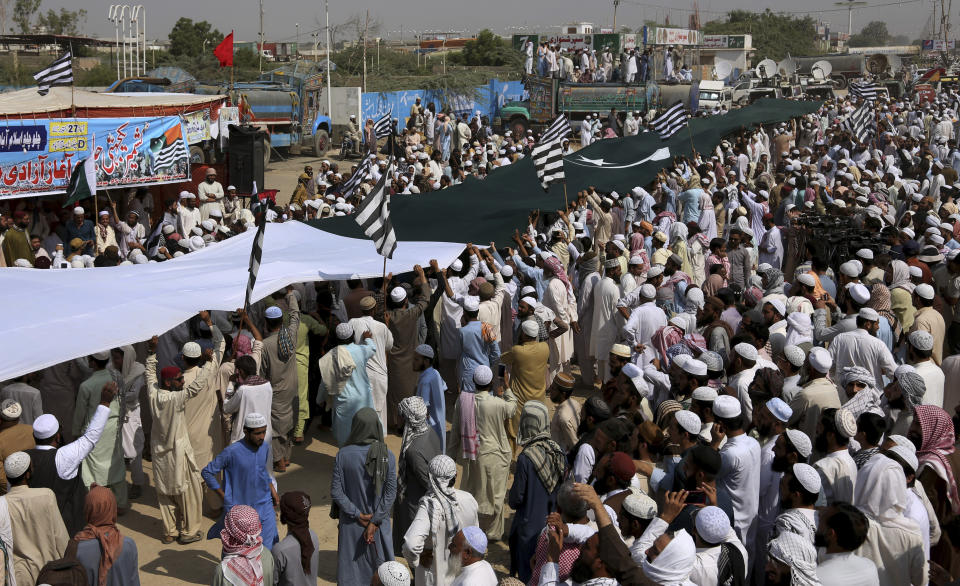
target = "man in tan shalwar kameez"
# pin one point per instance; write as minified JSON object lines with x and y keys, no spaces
{"x":279,"y":366}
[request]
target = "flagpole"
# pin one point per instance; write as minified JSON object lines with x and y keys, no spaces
{"x":73,"y":85}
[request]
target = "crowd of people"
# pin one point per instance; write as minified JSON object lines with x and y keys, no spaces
{"x":701,"y":380}
{"x":584,"y":65}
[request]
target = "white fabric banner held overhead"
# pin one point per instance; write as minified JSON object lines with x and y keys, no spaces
{"x":57,"y":315}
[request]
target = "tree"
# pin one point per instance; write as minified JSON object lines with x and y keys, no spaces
{"x":774,"y":35}
{"x":874,"y":34}
{"x":23,"y":12}
{"x":65,"y":22}
{"x":192,"y":39}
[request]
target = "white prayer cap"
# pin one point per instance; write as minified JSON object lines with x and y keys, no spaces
{"x":527,"y":290}
{"x":688,"y":421}
{"x":178,"y":254}
{"x":482,"y":375}
{"x":713,"y":525}
{"x":937,"y":239}
{"x":865,"y":253}
{"x":208,"y":225}
{"x":921,"y":340}
{"x":915,"y":271}
{"x":506,"y":271}
{"x":695,"y":367}
{"x":254,"y":420}
{"x":620,"y":350}
{"x":726,"y":407}
{"x":344,"y":331}
{"x":747,"y":351}
{"x":636,"y":260}
{"x":869,"y":314}
{"x":105,"y":355}
{"x":529,"y":301}
{"x":849,"y":269}
{"x":612,"y":263}
{"x":223,"y":230}
{"x":820,"y":360}
{"x":846,"y":423}
{"x":78,"y":211}
{"x":655,"y":271}
{"x":45,"y":426}
{"x":859,"y":293}
{"x":393,"y":574}
{"x":808,"y":477}
{"x":639,"y":505}
{"x":779,"y":409}
{"x":681,"y":359}
{"x":800,"y":441}
{"x":10,"y":410}
{"x":530,"y":327}
{"x":708,"y":394}
{"x":168,"y":228}
{"x":16,"y":464}
{"x":456,"y":265}
{"x":713,"y":361}
{"x":398,"y":294}
{"x":425,"y":350}
{"x":231,"y":188}
{"x":778,"y":305}
{"x":477,"y":539}
{"x":196,"y":231}
{"x":909,"y":232}
{"x":807,"y":279}
{"x":273,"y":312}
{"x":471,"y":303}
{"x":191,"y":350}
{"x":925,"y":291}
{"x":648,"y":291}
{"x":187,"y":195}
{"x":909,"y":457}
{"x":197,"y":243}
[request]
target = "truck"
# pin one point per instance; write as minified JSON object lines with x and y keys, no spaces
{"x":713,"y":94}
{"x":549,"y":97}
{"x":847,"y":67}
{"x":282,"y":52}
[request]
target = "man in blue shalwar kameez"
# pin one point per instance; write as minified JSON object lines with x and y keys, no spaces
{"x":344,"y":385}
{"x":246,"y":477}
{"x":430,"y":388}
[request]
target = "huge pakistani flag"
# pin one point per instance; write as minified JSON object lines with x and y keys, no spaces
{"x":490,"y":210}
{"x":83,"y":181}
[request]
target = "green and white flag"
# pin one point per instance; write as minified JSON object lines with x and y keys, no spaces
{"x":83,"y":181}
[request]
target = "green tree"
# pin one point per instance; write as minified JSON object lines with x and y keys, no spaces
{"x":65,"y":22}
{"x":874,"y":34}
{"x":192,"y":39}
{"x":486,"y":49}
{"x":23,"y":12}
{"x":774,"y":35}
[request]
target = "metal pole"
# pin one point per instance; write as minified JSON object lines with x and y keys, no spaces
{"x":143,"y":39}
{"x":112,"y":17}
{"x":260,"y":51}
{"x":123,"y":36}
{"x":366,"y":23}
{"x":849,"y":23}
{"x":135,"y":22}
{"x":298,"y":40}
{"x":326,"y":11}
{"x":615,"y":4}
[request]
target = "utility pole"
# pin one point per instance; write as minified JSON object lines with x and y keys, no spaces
{"x":260,"y":50}
{"x":298,"y":41}
{"x":850,"y":5}
{"x":326,"y":67}
{"x":366,"y":22}
{"x":615,"y":4}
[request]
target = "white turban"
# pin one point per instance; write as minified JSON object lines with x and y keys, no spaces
{"x":675,"y":562}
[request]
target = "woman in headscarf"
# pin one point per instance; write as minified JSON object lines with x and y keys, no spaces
{"x":539,"y":472}
{"x":295,"y":558}
{"x":443,"y":512}
{"x":708,"y":216}
{"x":889,"y":331}
{"x":419,"y":445}
{"x":901,"y":293}
{"x":678,"y":245}
{"x":363,"y":489}
{"x":243,"y":562}
{"x":109,"y":558}
{"x":128,"y":373}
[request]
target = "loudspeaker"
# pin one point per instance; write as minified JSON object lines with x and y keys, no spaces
{"x":247,"y":157}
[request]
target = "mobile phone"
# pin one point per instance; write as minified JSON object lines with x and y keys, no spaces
{"x":696,"y":497}
{"x":502,"y":370}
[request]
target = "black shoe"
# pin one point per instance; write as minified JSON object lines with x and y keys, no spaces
{"x":135,"y":492}
{"x":190,"y":538}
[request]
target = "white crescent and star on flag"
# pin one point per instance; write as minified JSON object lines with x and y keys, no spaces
{"x":658,"y":155}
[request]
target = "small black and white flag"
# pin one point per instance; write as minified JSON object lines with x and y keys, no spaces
{"x":548,"y":154}
{"x":256,"y":253}
{"x":866,"y":91}
{"x":361,"y":174}
{"x":373,"y":215}
{"x":862,"y":122}
{"x":383,"y":127}
{"x":671,"y":121}
{"x":60,"y":72}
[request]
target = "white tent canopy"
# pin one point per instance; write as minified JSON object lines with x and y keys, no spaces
{"x":57,"y":315}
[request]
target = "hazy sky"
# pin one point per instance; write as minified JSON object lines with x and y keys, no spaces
{"x":281,"y":16}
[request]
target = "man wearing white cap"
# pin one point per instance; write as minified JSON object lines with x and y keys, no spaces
{"x":720,"y":555}
{"x":14,"y":435}
{"x":467,"y":550}
{"x":929,"y":319}
{"x":817,"y":394}
{"x":377,"y":365}
{"x":861,"y":347}
{"x":645,"y":320}
{"x":188,"y":214}
{"x":770,"y":422}
{"x":210,"y":193}
{"x":920,"y":346}
{"x":857,"y":297}
{"x":837,"y":469}
{"x":451,"y":312}
{"x":391,"y":573}
{"x":344,"y":387}
{"x":738,"y":484}
{"x":528,"y":361}
{"x":743,"y":367}
{"x":39,"y":535}
{"x":606,"y":320}
{"x":278,"y":365}
{"x":799,"y":489}
{"x":104,"y":465}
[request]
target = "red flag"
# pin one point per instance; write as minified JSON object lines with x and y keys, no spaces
{"x":224,"y":51}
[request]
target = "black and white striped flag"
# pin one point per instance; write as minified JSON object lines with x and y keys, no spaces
{"x":548,"y":154}
{"x":373,"y":215}
{"x":259,"y":209}
{"x":866,"y":91}
{"x":360,"y":175}
{"x":862,"y":122}
{"x":383,"y":127}
{"x":60,"y":72}
{"x":671,"y":121}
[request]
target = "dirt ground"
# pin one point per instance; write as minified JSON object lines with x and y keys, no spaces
{"x":310,"y":471}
